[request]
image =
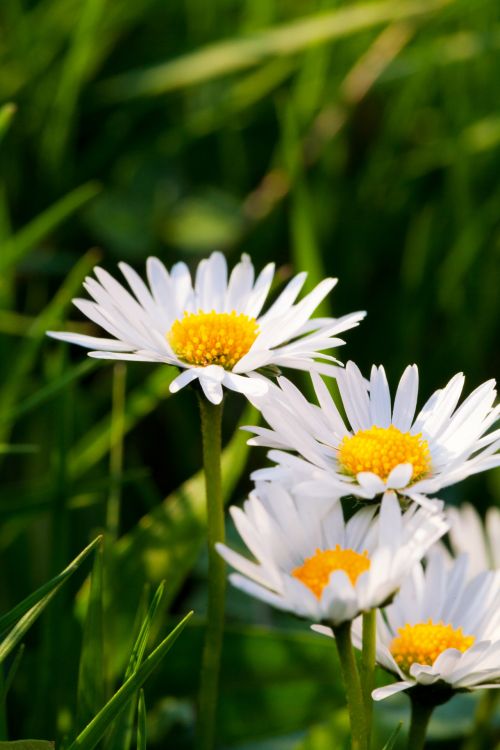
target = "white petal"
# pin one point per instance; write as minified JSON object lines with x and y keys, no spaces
{"x":92,"y":342}
{"x":385,"y":692}
{"x":400,"y":476}
{"x":380,"y":398}
{"x":406,"y":399}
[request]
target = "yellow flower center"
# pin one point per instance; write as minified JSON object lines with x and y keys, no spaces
{"x":422,"y":643}
{"x":380,"y":449}
{"x":315,"y":571}
{"x":213,"y":338}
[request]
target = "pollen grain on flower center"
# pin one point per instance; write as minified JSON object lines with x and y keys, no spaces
{"x":380,"y":449}
{"x":315,"y":571}
{"x":422,"y":643}
{"x":213,"y":338}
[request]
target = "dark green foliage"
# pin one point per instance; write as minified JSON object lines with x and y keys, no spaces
{"x":356,"y":141}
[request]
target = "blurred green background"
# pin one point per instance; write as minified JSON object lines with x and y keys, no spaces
{"x":354,"y":140}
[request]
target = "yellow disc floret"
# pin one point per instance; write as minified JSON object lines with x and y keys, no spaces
{"x":422,"y":643}
{"x":380,"y":449}
{"x":315,"y":571}
{"x":213,"y":338}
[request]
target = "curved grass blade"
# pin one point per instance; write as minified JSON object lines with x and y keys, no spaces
{"x":26,"y":611}
{"x":392,"y":739}
{"x":121,"y":736}
{"x":91,"y":735}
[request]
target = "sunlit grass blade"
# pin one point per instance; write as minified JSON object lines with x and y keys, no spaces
{"x":34,"y":603}
{"x":141,"y":722}
{"x":121,"y":737}
{"x":79,"y":61}
{"x":16,"y":247}
{"x":5,"y":685}
{"x":233,"y":55}
{"x":7,"y":113}
{"x":94,"y":731}
{"x":91,"y":693}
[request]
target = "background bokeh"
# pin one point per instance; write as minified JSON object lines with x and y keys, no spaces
{"x":360,"y":141}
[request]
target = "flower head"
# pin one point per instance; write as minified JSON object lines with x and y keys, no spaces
{"x":441,"y":630}
{"x":312,"y":562}
{"x":213,"y":330}
{"x":382,"y":446}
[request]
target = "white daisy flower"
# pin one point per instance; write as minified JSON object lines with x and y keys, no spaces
{"x":213,"y":330}
{"x":311,"y":562}
{"x":441,"y":630}
{"x":383,"y":446}
{"x":479,"y":540}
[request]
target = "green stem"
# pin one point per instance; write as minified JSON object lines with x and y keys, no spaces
{"x":211,"y":417}
{"x":420,"y":717}
{"x":368,"y":665}
{"x":355,"y":703}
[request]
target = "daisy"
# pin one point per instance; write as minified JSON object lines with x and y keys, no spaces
{"x":212,"y":329}
{"x":382,"y":446}
{"x":310,"y":561}
{"x":442,"y":629}
{"x":480,"y":541}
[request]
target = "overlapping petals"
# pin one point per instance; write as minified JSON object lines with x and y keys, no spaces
{"x":283,"y":528}
{"x":446,"y":595}
{"x":459,"y":440}
{"x":140,"y":317}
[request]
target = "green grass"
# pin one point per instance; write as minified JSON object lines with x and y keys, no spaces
{"x":360,"y":141}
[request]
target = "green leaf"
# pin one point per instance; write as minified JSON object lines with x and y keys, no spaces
{"x":26,"y":612}
{"x":90,"y":693}
{"x":94,"y":731}
{"x":16,"y":247}
{"x":141,"y":722}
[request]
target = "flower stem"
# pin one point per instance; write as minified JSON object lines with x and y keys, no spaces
{"x":420,"y":717}
{"x":211,"y":417}
{"x":368,"y":665}
{"x":355,"y":703}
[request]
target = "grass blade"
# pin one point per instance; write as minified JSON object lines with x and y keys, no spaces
{"x":121,"y":738}
{"x":392,"y":739}
{"x":233,"y":55}
{"x":16,"y":247}
{"x":7,"y":112}
{"x":91,"y":735}
{"x":40,"y":598}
